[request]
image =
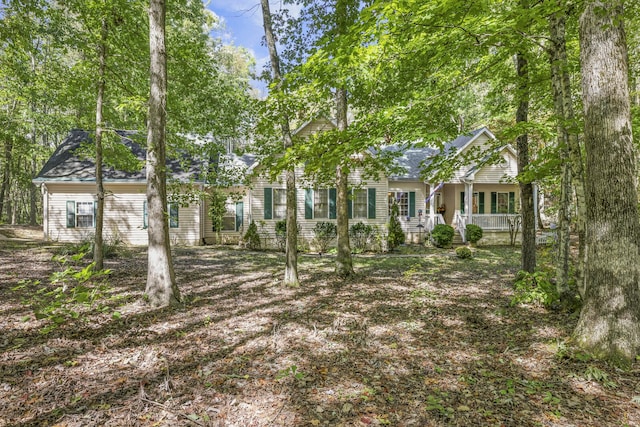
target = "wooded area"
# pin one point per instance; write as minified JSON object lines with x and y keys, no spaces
{"x":556,"y":80}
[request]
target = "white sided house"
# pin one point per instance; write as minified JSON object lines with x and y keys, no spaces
{"x":483,"y":194}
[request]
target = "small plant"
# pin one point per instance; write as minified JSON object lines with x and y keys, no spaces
{"x":396,"y":236}
{"x":534,"y":288}
{"x":463,"y":252}
{"x":473,"y":233}
{"x":75,"y":291}
{"x":324,"y":233}
{"x":361,"y":234}
{"x":251,"y":237}
{"x":442,"y":235}
{"x":281,"y":234}
{"x":291,"y":371}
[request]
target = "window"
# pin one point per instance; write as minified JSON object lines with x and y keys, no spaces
{"x":80,"y":214}
{"x":275,"y":203}
{"x":360,"y":203}
{"x":321,"y":203}
{"x":173,"y":215}
{"x":401,"y":198}
{"x":229,"y":218}
{"x":503,"y":203}
{"x":279,"y":203}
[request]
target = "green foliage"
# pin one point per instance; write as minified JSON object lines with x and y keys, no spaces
{"x":534,"y":288}
{"x":281,"y":234}
{"x":324,"y":233}
{"x":72,"y":291}
{"x":473,"y":233}
{"x":112,"y":247}
{"x":251,"y":237}
{"x":361,"y":234}
{"x":463,"y":252}
{"x":217,"y":208}
{"x":442,"y":235}
{"x":396,"y":236}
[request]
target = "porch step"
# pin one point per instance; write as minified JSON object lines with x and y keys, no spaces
{"x":457,"y":239}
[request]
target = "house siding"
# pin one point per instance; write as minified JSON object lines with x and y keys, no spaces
{"x":266,"y":227}
{"x":123,"y":214}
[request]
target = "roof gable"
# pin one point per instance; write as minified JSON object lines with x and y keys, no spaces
{"x":65,"y":164}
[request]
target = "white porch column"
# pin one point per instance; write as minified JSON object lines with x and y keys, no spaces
{"x":432,"y":204}
{"x":468,"y":199}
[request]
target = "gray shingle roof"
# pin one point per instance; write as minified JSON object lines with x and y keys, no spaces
{"x":66,"y":165}
{"x":414,"y":160}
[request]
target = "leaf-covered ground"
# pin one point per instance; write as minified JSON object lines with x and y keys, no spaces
{"x":421,"y":340}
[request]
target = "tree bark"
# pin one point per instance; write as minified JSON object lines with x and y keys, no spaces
{"x":556,"y":30}
{"x":569,"y":129}
{"x":344,"y":263}
{"x":98,"y":246}
{"x":609,"y":324}
{"x":526,"y":188}
{"x":6,"y":177}
{"x":161,"y":287}
{"x":291,"y":244}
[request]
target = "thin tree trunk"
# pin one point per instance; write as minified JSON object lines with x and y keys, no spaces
{"x":291,"y":244}
{"x":569,"y":127}
{"x":526,"y":188}
{"x":161,"y":287}
{"x":609,"y":324}
{"x":344,"y":263}
{"x":98,"y":253}
{"x":556,"y":29}
{"x":6,"y":176}
{"x":33,"y":196}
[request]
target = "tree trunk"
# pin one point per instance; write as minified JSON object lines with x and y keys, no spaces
{"x":6,"y":176}
{"x":98,"y":246}
{"x":526,"y":188}
{"x":344,"y":263}
{"x":556,"y":30}
{"x":161,"y":287}
{"x":291,"y":244}
{"x":569,"y":129}
{"x":609,"y":324}
{"x":33,"y":196}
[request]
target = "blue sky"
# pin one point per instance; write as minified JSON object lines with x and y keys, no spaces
{"x":242,"y":20}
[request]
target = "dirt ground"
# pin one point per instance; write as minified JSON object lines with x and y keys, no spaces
{"x":424,"y":340}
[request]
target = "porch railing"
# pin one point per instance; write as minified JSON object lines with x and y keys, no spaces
{"x":493,"y":221}
{"x":460,"y":224}
{"x":437,"y":219}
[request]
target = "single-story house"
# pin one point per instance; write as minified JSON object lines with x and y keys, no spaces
{"x":480,"y":193}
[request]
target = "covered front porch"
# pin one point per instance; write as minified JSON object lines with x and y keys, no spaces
{"x":490,"y":206}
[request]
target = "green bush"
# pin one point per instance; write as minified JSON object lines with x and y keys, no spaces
{"x":324,"y":233}
{"x":463,"y":252}
{"x":281,"y":234}
{"x":534,"y":288}
{"x":442,"y":235}
{"x":251,"y":237}
{"x":474,"y":233}
{"x":396,"y":236}
{"x":361,"y":234}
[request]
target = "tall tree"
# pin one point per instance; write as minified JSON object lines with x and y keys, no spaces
{"x":609,"y":324}
{"x":571,"y":153}
{"x":291,"y":244}
{"x":161,"y":287}
{"x":344,"y":264}
{"x":98,"y":253}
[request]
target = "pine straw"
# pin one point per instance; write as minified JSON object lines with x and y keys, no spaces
{"x":423,"y":340}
